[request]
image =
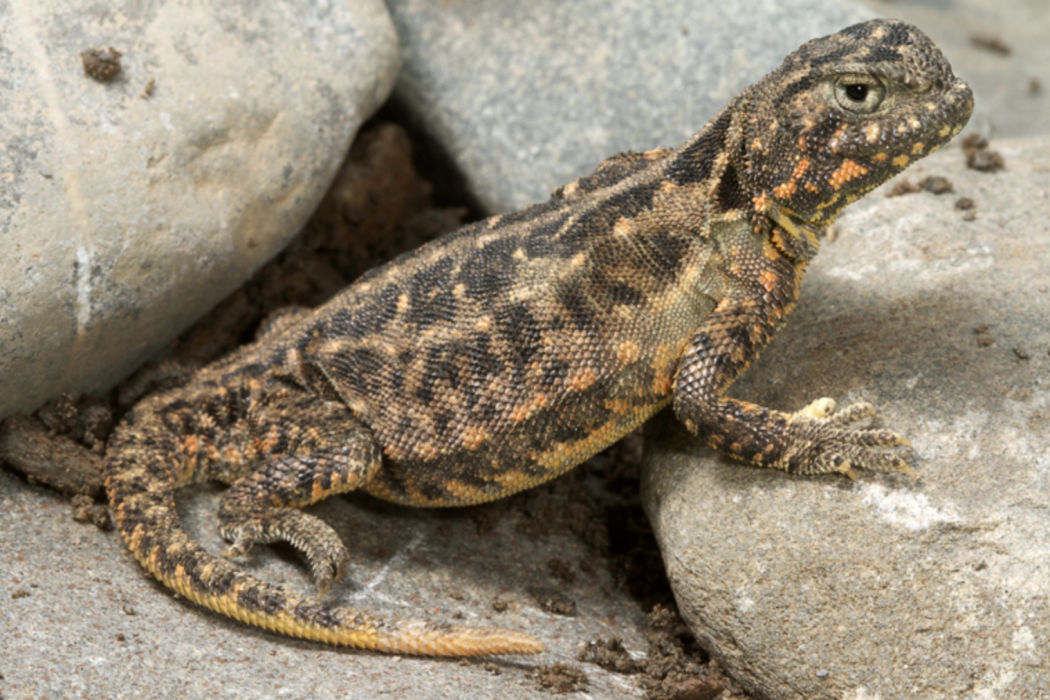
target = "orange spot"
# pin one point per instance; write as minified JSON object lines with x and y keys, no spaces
{"x":810,"y":187}
{"x":761,"y":202}
{"x":427,"y":451}
{"x":465,"y":493}
{"x":800,"y":168}
{"x":269,"y":442}
{"x":512,"y":482}
{"x":801,"y":143}
{"x":627,"y":352}
{"x":918,"y":148}
{"x":756,"y":145}
{"x":879,"y":157}
{"x":474,"y":437}
{"x":662,"y":384}
{"x":901,"y":161}
{"x":524,"y":411}
{"x":190,"y":445}
{"x":768,"y":280}
{"x":849,"y":170}
{"x":232,"y":455}
{"x":784,"y":190}
{"x":582,"y":380}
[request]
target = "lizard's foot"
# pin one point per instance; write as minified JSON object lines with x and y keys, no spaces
{"x":315,"y":539}
{"x":821,"y":440}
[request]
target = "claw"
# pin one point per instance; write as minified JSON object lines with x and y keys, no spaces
{"x":847,"y":470}
{"x":905,"y":469}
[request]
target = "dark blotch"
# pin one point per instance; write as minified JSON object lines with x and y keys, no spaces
{"x":519,"y":326}
{"x":621,"y":293}
{"x":882,"y":54}
{"x":693,"y":164}
{"x":730,"y":194}
{"x":858,"y":32}
{"x":579,"y":310}
{"x":600,"y":219}
{"x":436,"y":368}
{"x":491,"y":270}
{"x":539,"y":242}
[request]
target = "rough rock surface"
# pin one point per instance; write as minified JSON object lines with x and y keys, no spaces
{"x":888,"y":588}
{"x":79,"y":618}
{"x":523,"y":97}
{"x":128,"y":208}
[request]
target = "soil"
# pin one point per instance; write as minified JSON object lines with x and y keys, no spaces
{"x":377,"y":208}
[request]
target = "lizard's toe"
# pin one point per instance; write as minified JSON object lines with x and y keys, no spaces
{"x":825,"y":442}
{"x":315,"y":539}
{"x":851,"y":414}
{"x":242,"y":539}
{"x":818,"y":410}
{"x":856,"y":451}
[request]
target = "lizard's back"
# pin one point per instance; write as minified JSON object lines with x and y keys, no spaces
{"x":494,"y":358}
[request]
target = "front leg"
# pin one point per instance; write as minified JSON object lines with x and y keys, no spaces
{"x":814,"y":440}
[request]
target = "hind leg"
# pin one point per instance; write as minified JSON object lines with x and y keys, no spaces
{"x":309,"y":449}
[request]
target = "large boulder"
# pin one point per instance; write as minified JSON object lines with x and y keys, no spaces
{"x":934,"y":309}
{"x":520,"y":97}
{"x":130,"y":207}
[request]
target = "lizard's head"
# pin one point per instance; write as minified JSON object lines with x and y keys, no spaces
{"x":845,"y":113}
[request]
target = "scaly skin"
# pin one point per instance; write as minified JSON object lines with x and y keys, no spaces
{"x":508,"y":352}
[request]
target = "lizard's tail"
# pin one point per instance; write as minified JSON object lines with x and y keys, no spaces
{"x":141,"y":483}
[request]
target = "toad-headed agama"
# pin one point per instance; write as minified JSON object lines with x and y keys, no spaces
{"x":502,"y":355}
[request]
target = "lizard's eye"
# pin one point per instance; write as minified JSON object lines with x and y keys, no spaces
{"x":857,"y":92}
{"x":861,"y":94}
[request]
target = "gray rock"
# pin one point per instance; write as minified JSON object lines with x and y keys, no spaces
{"x":524,"y":97}
{"x":889,"y":588}
{"x":126,"y":216}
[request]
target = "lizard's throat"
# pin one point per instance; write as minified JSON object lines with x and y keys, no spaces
{"x":797,"y":239}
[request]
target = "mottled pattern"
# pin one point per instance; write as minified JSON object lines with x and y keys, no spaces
{"x":504,"y":354}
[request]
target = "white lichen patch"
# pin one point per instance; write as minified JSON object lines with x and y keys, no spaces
{"x":912,"y":511}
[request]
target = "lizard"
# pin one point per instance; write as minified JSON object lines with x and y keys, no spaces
{"x":504,"y":354}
